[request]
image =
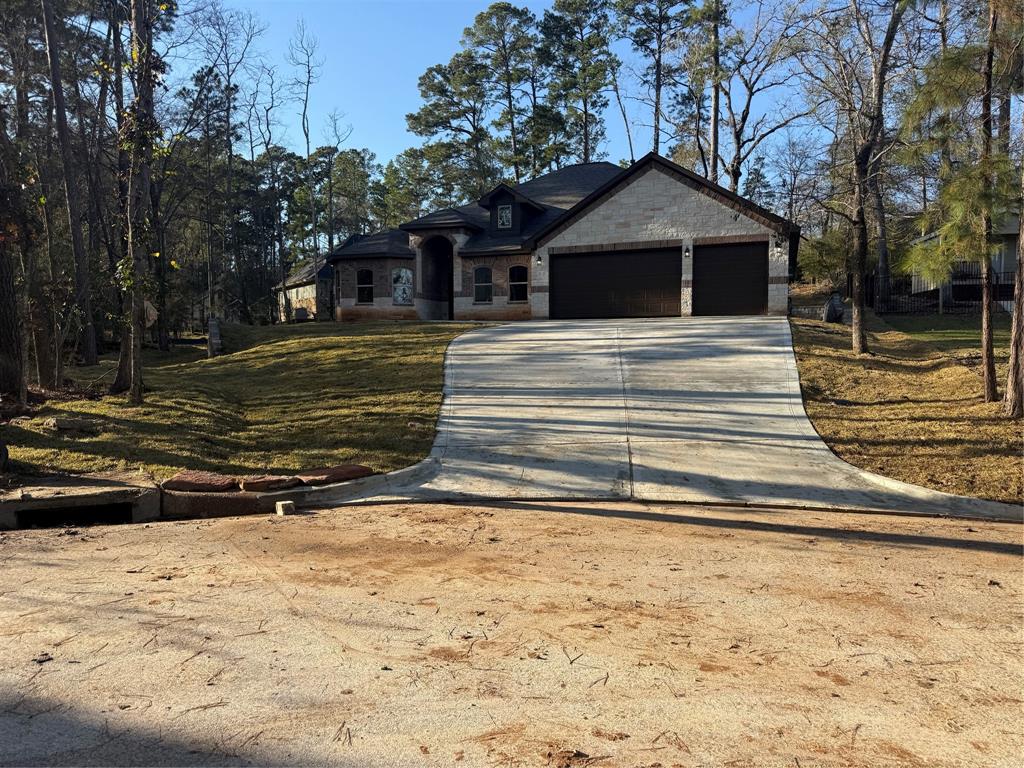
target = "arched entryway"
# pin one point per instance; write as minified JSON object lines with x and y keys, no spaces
{"x":438,"y":277}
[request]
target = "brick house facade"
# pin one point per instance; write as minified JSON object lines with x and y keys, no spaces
{"x":592,"y":240}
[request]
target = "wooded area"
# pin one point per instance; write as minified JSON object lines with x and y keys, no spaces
{"x":145,"y":185}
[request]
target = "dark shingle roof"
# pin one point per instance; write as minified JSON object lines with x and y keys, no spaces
{"x":564,"y":195}
{"x":393,"y":243}
{"x":553,"y":193}
{"x":567,"y":186}
{"x":464,"y":216}
{"x":302,"y":274}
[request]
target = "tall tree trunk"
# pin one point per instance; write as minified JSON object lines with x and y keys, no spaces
{"x":882,"y":237}
{"x":867,"y":120}
{"x":142,"y":131}
{"x":13,"y":232}
{"x":211,"y":294}
{"x":658,"y":75}
{"x":1013,"y":400}
{"x":231,"y":256}
{"x":586,"y":130}
{"x":330,"y":202}
{"x":46,"y":330}
{"x":532,"y":134}
{"x":83,"y":288}
{"x":163,"y":338}
{"x":735,"y":171}
{"x":513,"y":135}
{"x":716,"y":86}
{"x":988,"y":365}
{"x":625,"y":119}
{"x":99,"y":231}
{"x":11,"y":363}
{"x":123,"y":376}
{"x":860,"y":257}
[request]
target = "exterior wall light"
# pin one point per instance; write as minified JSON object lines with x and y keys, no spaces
{"x":540,"y":259}
{"x":686,"y":252}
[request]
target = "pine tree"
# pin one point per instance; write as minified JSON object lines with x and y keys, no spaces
{"x":504,"y":39}
{"x":653,"y":28}
{"x":576,"y":48}
{"x":454,"y":115}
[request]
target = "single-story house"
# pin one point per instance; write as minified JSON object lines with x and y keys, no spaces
{"x":373,"y":277}
{"x":964,"y":282}
{"x":308,"y":297}
{"x":590,"y":240}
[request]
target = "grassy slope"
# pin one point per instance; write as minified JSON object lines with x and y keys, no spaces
{"x":287,"y":398}
{"x":913,"y":409}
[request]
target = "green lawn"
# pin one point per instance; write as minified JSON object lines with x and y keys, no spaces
{"x":284,"y":398}
{"x":952,"y":333}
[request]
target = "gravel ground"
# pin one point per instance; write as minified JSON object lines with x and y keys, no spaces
{"x":531,"y":634}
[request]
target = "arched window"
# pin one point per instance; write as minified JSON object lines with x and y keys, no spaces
{"x":401,"y":286}
{"x":483,"y":288}
{"x":518,"y":277}
{"x":364,"y":286}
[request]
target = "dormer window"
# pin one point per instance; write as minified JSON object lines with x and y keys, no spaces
{"x":504,"y":217}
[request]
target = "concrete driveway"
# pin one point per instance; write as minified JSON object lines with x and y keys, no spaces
{"x":701,"y":410}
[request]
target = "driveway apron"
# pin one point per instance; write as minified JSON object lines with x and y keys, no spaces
{"x":699,"y":410}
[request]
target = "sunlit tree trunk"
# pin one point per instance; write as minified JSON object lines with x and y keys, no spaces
{"x":988,"y":365}
{"x":1013,"y":400}
{"x":141,"y":130}
{"x":716,"y":87}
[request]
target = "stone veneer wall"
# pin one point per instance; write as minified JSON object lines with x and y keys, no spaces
{"x":303,"y":297}
{"x":656,"y":207}
{"x":383,"y":306}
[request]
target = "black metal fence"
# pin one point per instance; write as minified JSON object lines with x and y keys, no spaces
{"x":909,"y":294}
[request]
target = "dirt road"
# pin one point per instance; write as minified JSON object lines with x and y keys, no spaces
{"x":536,"y":635}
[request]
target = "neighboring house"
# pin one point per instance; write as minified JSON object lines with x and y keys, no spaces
{"x":964,"y":283}
{"x":591,"y":240}
{"x":374,"y":277}
{"x":308,"y":297}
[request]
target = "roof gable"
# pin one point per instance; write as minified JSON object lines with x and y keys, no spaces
{"x":550,"y":194}
{"x":651,"y":160}
{"x":515,"y":194}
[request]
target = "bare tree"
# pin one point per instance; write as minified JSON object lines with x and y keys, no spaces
{"x":845,"y":58}
{"x":228,"y":38}
{"x":266,"y":125}
{"x":303,"y":54}
{"x":337,"y":133}
{"x":756,"y":65}
{"x":716,"y":12}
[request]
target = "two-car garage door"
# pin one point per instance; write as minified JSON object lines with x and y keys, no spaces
{"x":616,"y":284}
{"x":727,"y":280}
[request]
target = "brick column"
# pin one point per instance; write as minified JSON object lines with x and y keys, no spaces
{"x":540,"y":284}
{"x":778,"y":275}
{"x":686,"y":296}
{"x":458,"y":241}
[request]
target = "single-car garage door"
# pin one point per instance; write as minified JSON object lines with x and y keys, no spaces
{"x":616,"y":284}
{"x":730,"y":279}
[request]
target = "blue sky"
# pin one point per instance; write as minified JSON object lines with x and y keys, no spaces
{"x":374,"y":51}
